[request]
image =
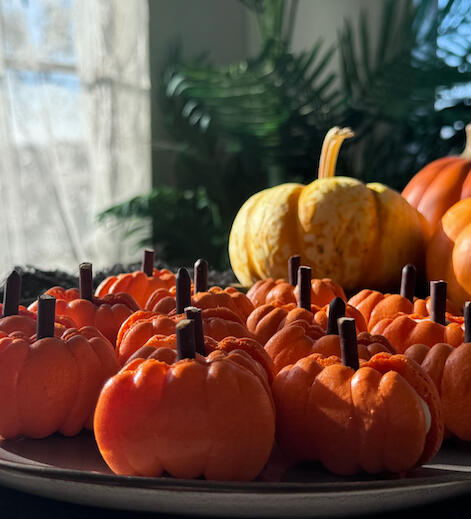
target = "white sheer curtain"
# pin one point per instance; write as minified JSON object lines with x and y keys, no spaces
{"x":74,"y":128}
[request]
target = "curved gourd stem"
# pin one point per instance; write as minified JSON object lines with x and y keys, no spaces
{"x":185,"y":332}
{"x":467,"y":148}
{"x":46,"y":316}
{"x":148,"y":262}
{"x":330,"y":150}
{"x":11,"y":294}
{"x":348,"y":342}
{"x":294,"y":263}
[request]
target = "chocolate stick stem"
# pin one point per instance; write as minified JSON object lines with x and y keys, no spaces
{"x":304,"y":287}
{"x":294,"y":263}
{"x":438,"y":301}
{"x":11,"y":294}
{"x":348,"y":342}
{"x":194,"y":314}
{"x":200,"y":275}
{"x":336,"y":311}
{"x":86,"y":281}
{"x":185,"y":331}
{"x":408,"y":282}
{"x":467,"y":321}
{"x":46,"y":316}
{"x":183,"y":290}
{"x":148,"y":262}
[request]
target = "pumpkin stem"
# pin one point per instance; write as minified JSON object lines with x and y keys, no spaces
{"x":183,"y":290}
{"x":11,"y":294}
{"x":467,"y":148}
{"x":330,"y":150}
{"x":336,"y":311}
{"x":467,"y":321}
{"x":438,"y":301}
{"x":304,"y":287}
{"x":148,"y":262}
{"x":200,"y":275}
{"x":194,"y":314}
{"x":86,"y":281}
{"x":46,"y":316}
{"x":348,"y":342}
{"x":408,"y":282}
{"x":185,"y":331}
{"x":294,"y":263}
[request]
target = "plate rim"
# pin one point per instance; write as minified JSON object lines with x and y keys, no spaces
{"x":252,"y":487}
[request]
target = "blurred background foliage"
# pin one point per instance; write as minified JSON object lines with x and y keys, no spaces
{"x":241,"y":128}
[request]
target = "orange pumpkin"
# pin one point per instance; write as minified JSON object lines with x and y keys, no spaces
{"x":440,"y":184}
{"x":200,"y":416}
{"x":139,"y":284}
{"x":380,"y":415}
{"x":447,"y":254}
{"x":52,"y":384}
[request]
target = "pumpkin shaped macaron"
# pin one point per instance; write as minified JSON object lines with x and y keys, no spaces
{"x":449,"y":368}
{"x":199,"y":416}
{"x":106,"y":313}
{"x":165,"y":301}
{"x":50,"y":384}
{"x":16,"y":318}
{"x":404,"y":330}
{"x":298,"y":339}
{"x":368,"y":344}
{"x":380,"y":415}
{"x":284,"y":292}
{"x":218,"y":322}
{"x":139,"y":284}
{"x":376,"y":306}
{"x":269,"y":318}
{"x":158,"y":346}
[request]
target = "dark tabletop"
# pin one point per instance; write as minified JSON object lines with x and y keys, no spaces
{"x":18,"y":505}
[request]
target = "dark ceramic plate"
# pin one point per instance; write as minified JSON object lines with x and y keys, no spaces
{"x":71,"y":469}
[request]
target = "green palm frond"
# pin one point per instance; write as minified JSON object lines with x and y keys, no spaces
{"x":392,"y":90}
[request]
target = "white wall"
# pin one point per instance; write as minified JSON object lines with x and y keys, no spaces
{"x":322,"y":19}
